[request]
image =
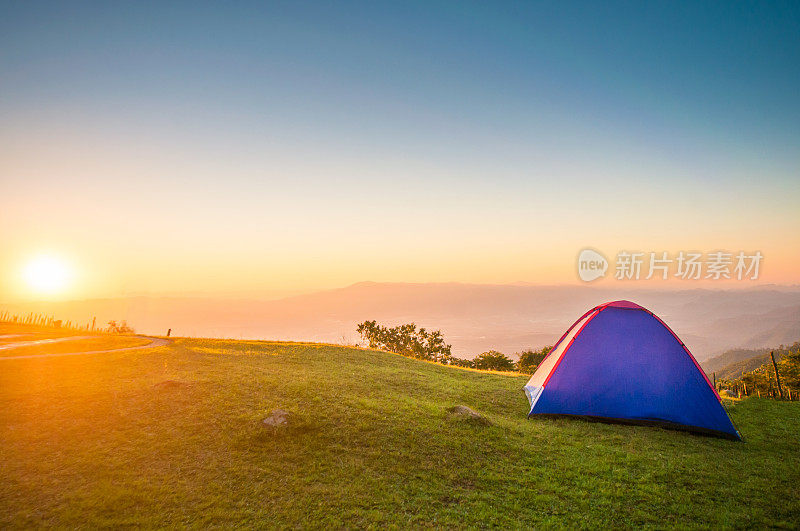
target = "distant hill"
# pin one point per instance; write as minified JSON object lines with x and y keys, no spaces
{"x":733,"y":363}
{"x":731,"y":357}
{"x":473,"y":317}
{"x":737,"y":369}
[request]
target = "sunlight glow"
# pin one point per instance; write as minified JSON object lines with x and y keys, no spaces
{"x":47,"y":274}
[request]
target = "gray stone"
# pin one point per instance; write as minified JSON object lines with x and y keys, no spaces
{"x":466,"y":413}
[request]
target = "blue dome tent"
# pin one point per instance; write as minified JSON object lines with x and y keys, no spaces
{"x":620,"y":362}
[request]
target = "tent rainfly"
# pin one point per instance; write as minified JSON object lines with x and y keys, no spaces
{"x":619,"y":362}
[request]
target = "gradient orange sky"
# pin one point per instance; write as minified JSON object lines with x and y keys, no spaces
{"x":227,"y":153}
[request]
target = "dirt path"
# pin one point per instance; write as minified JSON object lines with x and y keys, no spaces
{"x":35,"y":342}
{"x":154,"y":342}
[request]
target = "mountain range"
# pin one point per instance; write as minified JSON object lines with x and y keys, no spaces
{"x":473,"y":317}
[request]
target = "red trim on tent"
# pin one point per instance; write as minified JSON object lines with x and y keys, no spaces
{"x":599,"y":309}
{"x":565,"y":334}
{"x":691,"y":357}
{"x":627,"y":305}
{"x":624,"y":304}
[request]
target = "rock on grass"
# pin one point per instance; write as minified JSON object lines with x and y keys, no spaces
{"x":468,"y":414}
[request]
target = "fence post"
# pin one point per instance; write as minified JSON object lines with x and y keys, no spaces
{"x":777,"y":376}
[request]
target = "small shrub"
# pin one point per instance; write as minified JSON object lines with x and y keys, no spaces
{"x":530,"y":359}
{"x":407,"y":340}
{"x":493,"y":361}
{"x":119,"y":328}
{"x":461,"y":362}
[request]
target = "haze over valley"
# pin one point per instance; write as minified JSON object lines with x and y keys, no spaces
{"x":473,"y":317}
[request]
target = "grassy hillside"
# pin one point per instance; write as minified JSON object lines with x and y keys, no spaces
{"x":101,"y":440}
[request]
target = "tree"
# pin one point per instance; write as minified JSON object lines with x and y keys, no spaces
{"x":119,"y":328}
{"x":530,"y":359}
{"x":493,"y":361}
{"x":407,"y":340}
{"x":461,"y":362}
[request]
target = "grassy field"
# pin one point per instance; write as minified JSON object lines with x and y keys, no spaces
{"x":101,"y":440}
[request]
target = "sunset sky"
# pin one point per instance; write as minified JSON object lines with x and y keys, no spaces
{"x":267,"y":148}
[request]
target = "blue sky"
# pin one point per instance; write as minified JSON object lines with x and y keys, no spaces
{"x":453,"y":121}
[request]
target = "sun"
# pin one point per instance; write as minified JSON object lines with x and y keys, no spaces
{"x":47,"y":274}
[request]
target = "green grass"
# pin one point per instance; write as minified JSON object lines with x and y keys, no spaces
{"x":92,"y":441}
